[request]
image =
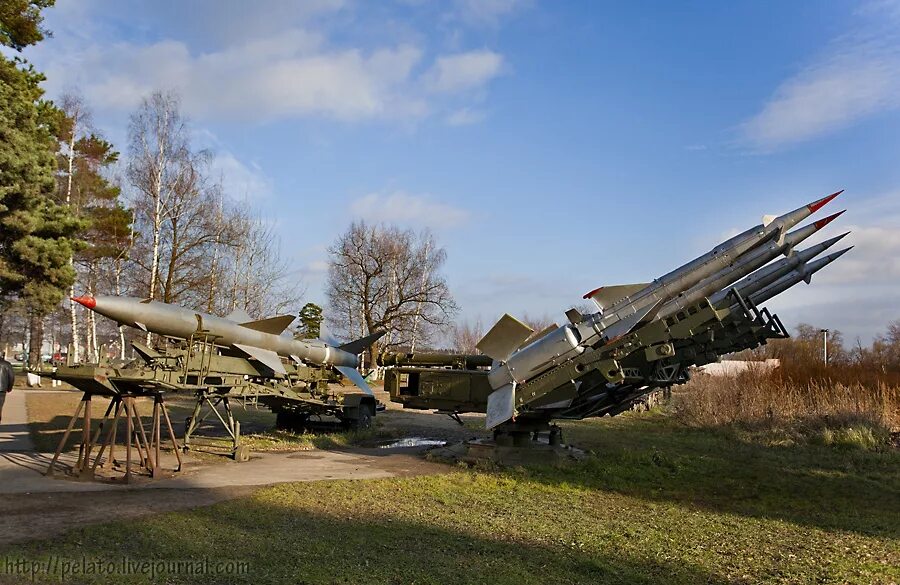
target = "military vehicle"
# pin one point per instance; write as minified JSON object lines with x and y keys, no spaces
{"x":643,"y":337}
{"x":196,"y":368}
{"x":262,"y":340}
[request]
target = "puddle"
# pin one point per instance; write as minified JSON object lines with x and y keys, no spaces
{"x":413,"y":442}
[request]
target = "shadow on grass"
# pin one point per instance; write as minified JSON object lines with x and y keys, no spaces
{"x":285,"y":543}
{"x":654,"y":457}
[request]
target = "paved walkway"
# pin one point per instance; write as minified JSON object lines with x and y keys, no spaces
{"x":14,"y":435}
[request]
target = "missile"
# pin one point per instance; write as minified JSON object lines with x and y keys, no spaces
{"x":521,"y":356}
{"x":688,"y":275}
{"x":803,"y":273}
{"x":767,"y":275}
{"x":744,"y":265}
{"x":263,"y":340}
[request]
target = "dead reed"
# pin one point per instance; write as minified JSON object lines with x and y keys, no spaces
{"x":833,"y":406}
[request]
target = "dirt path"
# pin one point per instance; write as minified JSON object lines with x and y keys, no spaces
{"x":33,"y":505}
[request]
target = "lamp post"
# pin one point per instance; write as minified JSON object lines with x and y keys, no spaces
{"x":825,"y":344}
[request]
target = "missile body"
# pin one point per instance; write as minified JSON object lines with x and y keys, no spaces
{"x":800,"y":274}
{"x":623,"y":308}
{"x":769,"y":274}
{"x":744,"y":266}
{"x":717,"y":259}
{"x":262,"y":340}
{"x":518,"y":365}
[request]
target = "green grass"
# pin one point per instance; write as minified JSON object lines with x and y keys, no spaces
{"x":657,"y":502}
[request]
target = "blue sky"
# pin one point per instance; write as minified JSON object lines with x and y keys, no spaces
{"x":553,"y":147}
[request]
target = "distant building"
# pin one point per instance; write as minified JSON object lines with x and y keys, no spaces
{"x":731,"y":368}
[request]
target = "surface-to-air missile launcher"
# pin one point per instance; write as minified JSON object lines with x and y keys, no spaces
{"x":643,"y":337}
{"x":219,"y":359}
{"x":200,"y":369}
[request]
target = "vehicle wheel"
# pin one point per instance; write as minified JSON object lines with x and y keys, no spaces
{"x":364,"y":417}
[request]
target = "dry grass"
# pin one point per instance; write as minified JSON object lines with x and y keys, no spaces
{"x":789,"y":404}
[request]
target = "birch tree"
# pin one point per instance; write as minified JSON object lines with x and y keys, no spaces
{"x":159,"y":165}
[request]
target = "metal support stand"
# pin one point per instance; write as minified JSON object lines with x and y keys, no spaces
{"x":226,"y":419}
{"x":148,"y":448}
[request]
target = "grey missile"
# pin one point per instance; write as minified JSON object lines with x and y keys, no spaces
{"x":262,"y":340}
{"x":622,"y":308}
{"x":769,"y":274}
{"x":743,"y":266}
{"x":803,"y":273}
{"x":688,"y":275}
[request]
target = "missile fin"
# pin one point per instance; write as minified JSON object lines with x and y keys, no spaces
{"x":140,"y":326}
{"x":501,"y":406}
{"x":631,"y":322}
{"x":273,"y":325}
{"x":362,"y":344}
{"x":505,"y":337}
{"x":146,"y":353}
{"x":607,"y":296}
{"x":266,"y":357}
{"x":767,"y":219}
{"x":356,"y":378}
{"x":539,"y":334}
{"x":239,"y":315}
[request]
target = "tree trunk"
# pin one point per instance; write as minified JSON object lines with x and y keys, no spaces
{"x":35,"y":339}
{"x":73,"y":314}
{"x":118,"y":293}
{"x":412,"y":345}
{"x":92,"y":318}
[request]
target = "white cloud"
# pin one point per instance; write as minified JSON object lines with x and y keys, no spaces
{"x":489,"y":12}
{"x":875,"y":260}
{"x":404,"y":208}
{"x":857,"y":76}
{"x":240,"y":180}
{"x":463,"y":71}
{"x":289,"y":70}
{"x":285,"y":76}
{"x":465,"y":117}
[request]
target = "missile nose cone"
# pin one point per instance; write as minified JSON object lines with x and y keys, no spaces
{"x":817,"y":205}
{"x":840,"y":253}
{"x":89,"y":302}
{"x":825,"y":221}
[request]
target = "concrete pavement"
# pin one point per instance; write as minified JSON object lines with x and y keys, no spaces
{"x":14,"y":435}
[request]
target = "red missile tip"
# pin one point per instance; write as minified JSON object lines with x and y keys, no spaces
{"x":592,"y":293}
{"x":89,"y":302}
{"x":817,"y":205}
{"x":827,"y":220}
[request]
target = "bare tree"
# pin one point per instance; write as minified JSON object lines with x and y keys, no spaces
{"x":537,"y":323}
{"x":160,"y":163}
{"x":465,"y":335}
{"x":384,"y":278}
{"x":253,"y":275}
{"x":78,"y":120}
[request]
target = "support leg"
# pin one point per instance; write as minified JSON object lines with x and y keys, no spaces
{"x":65,"y":438}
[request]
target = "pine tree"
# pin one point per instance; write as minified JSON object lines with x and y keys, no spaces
{"x":89,"y":195}
{"x":310,"y":321}
{"x":36,"y":234}
{"x":20,"y":22}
